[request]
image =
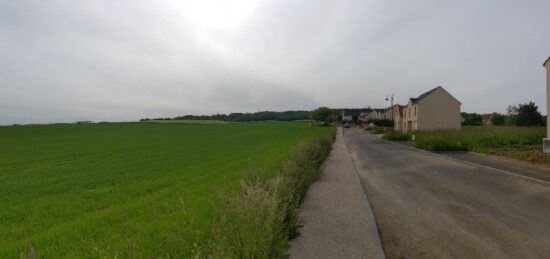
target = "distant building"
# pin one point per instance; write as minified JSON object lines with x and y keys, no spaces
{"x":364,"y":116}
{"x":376,"y":114}
{"x":398,"y":117}
{"x":487,"y":119}
{"x":347,"y":118}
{"x":435,"y":109}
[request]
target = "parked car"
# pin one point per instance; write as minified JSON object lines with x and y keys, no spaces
{"x":347,"y":125}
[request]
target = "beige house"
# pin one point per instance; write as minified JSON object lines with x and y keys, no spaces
{"x":376,"y":114}
{"x":435,"y":109}
{"x":398,"y":117}
{"x":388,"y":114}
{"x":546,"y":141}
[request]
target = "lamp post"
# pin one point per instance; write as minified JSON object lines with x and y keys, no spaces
{"x":390,"y":98}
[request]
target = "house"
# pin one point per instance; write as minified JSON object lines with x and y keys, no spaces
{"x":376,"y":114}
{"x":347,"y":118}
{"x":546,"y":141}
{"x":434,"y":109}
{"x":398,"y":117}
{"x":388,"y":114}
{"x":487,"y":119}
{"x":364,"y":116}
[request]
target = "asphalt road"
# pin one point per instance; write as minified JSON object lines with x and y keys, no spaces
{"x":430,"y":206}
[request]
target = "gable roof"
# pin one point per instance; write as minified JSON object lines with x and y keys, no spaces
{"x":426,"y":94}
{"x":422,"y":96}
{"x":544,"y":64}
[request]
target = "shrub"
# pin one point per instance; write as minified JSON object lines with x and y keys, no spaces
{"x":378,"y":131}
{"x":498,"y":119}
{"x":471,"y":119}
{"x":259,"y":221}
{"x":397,"y":135}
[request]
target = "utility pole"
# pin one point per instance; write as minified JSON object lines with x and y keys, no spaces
{"x":390,"y":98}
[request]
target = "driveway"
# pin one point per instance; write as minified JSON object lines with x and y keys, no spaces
{"x":432,"y":206}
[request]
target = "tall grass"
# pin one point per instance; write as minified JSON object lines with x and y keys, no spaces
{"x":479,"y":139}
{"x":397,"y":135}
{"x":259,"y":221}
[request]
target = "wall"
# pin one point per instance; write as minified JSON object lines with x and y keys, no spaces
{"x":548,"y":98}
{"x":409,"y":117}
{"x":439,"y":110}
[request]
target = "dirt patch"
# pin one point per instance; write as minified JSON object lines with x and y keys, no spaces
{"x":530,"y":153}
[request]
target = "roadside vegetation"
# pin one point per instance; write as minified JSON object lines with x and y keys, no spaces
{"x":151,"y":190}
{"x":259,"y":221}
{"x":198,"y":122}
{"x":397,"y":136}
{"x":479,"y":139}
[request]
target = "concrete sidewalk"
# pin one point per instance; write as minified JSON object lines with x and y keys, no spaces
{"x":338,"y":220}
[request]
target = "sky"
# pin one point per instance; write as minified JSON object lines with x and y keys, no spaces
{"x":64,"y":61}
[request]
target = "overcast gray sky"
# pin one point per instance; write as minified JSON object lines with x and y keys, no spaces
{"x":62,"y":61}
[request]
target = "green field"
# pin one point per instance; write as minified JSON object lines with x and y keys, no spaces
{"x":189,"y":121}
{"x":127,"y":189}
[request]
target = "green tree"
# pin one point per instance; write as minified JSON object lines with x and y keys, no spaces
{"x":528,"y":115}
{"x":498,"y":119}
{"x":471,"y":119}
{"x":323,"y":114}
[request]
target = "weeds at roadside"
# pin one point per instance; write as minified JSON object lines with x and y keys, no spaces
{"x":259,"y":221}
{"x":397,"y":136}
{"x":479,"y":139}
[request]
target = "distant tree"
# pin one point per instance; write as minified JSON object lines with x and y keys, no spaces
{"x":528,"y":115}
{"x":472,"y":119}
{"x":355,"y":119}
{"x":512,"y":115}
{"x":498,"y":119}
{"x":323,"y":114}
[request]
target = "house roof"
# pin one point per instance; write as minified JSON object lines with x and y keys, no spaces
{"x":544,"y":64}
{"x":422,"y":96}
{"x":426,"y":94}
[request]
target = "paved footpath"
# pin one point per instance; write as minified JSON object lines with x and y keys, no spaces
{"x":338,"y":220}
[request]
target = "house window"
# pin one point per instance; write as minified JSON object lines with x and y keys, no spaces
{"x":414,"y":110}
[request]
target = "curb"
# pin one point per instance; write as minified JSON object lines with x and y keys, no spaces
{"x":374,"y":244}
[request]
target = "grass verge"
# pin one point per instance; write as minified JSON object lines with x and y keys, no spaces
{"x":259,"y":221}
{"x":479,"y":139}
{"x":397,"y":136}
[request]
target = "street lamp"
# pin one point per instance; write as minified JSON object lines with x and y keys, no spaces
{"x":390,"y":98}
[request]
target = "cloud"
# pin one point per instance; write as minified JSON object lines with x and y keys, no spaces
{"x":123,"y":60}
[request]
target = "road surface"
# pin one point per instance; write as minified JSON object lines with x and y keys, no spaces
{"x":430,"y":206}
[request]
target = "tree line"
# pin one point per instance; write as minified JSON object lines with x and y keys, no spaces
{"x":244,"y":117}
{"x":523,"y":114}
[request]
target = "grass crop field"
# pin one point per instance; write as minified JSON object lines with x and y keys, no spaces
{"x":127,"y":189}
{"x":480,"y":139}
{"x":201,"y":122}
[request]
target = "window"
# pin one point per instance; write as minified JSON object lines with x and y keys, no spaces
{"x":414,"y":110}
